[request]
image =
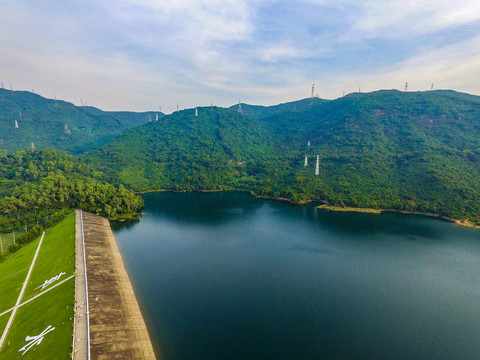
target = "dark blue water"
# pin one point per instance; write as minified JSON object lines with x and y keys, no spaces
{"x":229,"y":276}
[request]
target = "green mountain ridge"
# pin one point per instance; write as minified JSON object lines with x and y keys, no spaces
{"x":408,"y":151}
{"x":260,"y":111}
{"x":58,"y":124}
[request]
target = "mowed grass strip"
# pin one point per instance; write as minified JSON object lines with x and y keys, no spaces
{"x":13,"y":271}
{"x":57,"y":255}
{"x":54,"y":308}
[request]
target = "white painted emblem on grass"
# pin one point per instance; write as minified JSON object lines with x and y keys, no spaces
{"x":49,"y":281}
{"x":36,"y":340}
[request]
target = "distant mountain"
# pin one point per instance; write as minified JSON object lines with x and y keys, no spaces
{"x":58,"y":124}
{"x":217,"y":149}
{"x":260,"y":111}
{"x":413,"y":151}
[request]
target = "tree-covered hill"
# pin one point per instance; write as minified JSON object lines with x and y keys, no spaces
{"x":260,"y":111}
{"x":35,"y":183}
{"x":388,"y":149}
{"x":58,"y":124}
{"x":218,"y":149}
{"x":414,"y":151}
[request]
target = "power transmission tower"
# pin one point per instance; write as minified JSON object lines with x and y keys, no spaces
{"x":306,"y":161}
{"x":313,"y":91}
{"x":406,"y":86}
{"x":240,"y":106}
{"x":317,"y":168}
{"x":196,"y":112}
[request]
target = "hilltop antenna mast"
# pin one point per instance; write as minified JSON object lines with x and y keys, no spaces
{"x":431,"y":89}
{"x":306,"y":161}
{"x":11,"y":89}
{"x":156,"y":116}
{"x":55,"y":100}
{"x":2,"y":85}
{"x":240,"y":106}
{"x":359,"y":89}
{"x":313,"y":91}
{"x":317,"y":168}
{"x":177,"y":107}
{"x":406,"y":86}
{"x":344,"y":93}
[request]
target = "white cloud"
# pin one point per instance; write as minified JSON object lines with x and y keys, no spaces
{"x":398,"y":19}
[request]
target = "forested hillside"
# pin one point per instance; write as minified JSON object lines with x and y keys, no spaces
{"x":388,"y":149}
{"x":27,"y":118}
{"x":34,"y":184}
{"x":218,"y":149}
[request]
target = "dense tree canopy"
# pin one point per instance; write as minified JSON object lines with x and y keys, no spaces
{"x":36,"y":183}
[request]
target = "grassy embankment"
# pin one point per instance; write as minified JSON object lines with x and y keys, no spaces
{"x":53,"y":308}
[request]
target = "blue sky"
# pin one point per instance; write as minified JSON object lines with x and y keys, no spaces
{"x":142,"y":54}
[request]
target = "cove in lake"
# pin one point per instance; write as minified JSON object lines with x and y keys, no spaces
{"x":229,"y":276}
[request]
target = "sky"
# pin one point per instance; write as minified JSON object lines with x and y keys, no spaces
{"x":143,"y":55}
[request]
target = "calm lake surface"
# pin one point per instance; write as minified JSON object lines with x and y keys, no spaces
{"x":228,"y":276}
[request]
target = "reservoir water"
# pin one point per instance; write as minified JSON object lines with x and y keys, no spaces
{"x":229,"y":276}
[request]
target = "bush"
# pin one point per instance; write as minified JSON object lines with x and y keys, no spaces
{"x":14,"y":247}
{"x":31,"y":234}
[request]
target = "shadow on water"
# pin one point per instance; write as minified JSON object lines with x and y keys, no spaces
{"x":211,"y":207}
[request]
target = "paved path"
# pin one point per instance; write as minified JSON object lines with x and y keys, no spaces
{"x":117,"y":328}
{"x":80,"y":334}
{"x":20,"y":296}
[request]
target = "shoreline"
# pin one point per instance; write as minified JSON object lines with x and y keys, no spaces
{"x":327,"y":206}
{"x":466,"y":224}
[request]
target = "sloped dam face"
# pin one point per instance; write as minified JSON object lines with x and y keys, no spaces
{"x":229,"y":276}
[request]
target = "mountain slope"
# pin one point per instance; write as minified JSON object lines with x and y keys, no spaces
{"x":387,"y":149}
{"x":58,"y":124}
{"x":218,"y":149}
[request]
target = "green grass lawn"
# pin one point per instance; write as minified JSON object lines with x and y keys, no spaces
{"x":55,"y":308}
{"x":57,"y":255}
{"x":13,"y":271}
